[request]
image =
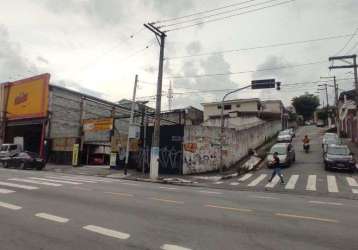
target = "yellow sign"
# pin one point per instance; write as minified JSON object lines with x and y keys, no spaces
{"x":97,"y":125}
{"x":76,"y":149}
{"x":28,"y":98}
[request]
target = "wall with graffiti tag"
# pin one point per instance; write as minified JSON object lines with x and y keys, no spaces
{"x":201,"y":145}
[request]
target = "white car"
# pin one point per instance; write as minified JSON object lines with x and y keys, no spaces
{"x":284,"y":136}
{"x":286,"y":154}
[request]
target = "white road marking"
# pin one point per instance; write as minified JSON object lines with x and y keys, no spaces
{"x":70,"y":179}
{"x":9,"y":206}
{"x":355,"y":191}
{"x":218,"y":182}
{"x":173,"y":247}
{"x":209,"y":192}
{"x":6,"y":191}
{"x":332,"y":184}
{"x":352,"y":182}
{"x":257,"y":180}
{"x":107,"y":232}
{"x":234,"y":183}
{"x":273,"y":183}
{"x":306,"y":217}
{"x":58,"y":181}
{"x":8,"y":184}
{"x":52,"y":217}
{"x":311,"y":183}
{"x":265,"y":197}
{"x":245,"y":177}
{"x":326,"y":203}
{"x":36,"y":182}
{"x":129,"y":184}
{"x":168,"y":188}
{"x":87,"y":178}
{"x":291,"y":184}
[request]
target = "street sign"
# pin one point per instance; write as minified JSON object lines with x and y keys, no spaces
{"x":263,"y":84}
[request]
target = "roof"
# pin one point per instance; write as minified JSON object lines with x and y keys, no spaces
{"x":233,"y":101}
{"x":351,"y":94}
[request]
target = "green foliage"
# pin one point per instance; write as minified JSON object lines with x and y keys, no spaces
{"x":306,"y":105}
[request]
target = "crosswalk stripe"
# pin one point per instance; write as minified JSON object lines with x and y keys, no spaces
{"x":8,"y":184}
{"x":352,"y":182}
{"x":9,"y":206}
{"x":257,"y":180}
{"x":173,"y":247}
{"x":6,"y":191}
{"x":218,"y":182}
{"x":273,"y":183}
{"x":52,"y":217}
{"x":245,"y":177}
{"x":332,"y":184}
{"x":86,"y":178}
{"x":58,"y":181}
{"x":291,"y":184}
{"x":234,"y":183}
{"x":70,"y":179}
{"x":311,"y":183}
{"x":36,"y":182}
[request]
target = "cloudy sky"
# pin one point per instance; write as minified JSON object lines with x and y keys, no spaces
{"x":97,"y":46}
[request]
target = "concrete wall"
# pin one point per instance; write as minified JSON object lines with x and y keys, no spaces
{"x":237,"y":123}
{"x":201,"y":151}
{"x":272,"y":106}
{"x":214,"y":110}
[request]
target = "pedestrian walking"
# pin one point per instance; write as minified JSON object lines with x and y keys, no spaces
{"x":277,"y":168}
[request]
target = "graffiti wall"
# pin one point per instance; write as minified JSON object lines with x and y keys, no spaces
{"x":201,"y":145}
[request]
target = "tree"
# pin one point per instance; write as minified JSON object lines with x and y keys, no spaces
{"x":306,"y":105}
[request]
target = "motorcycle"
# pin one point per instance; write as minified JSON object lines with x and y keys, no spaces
{"x":306,"y":147}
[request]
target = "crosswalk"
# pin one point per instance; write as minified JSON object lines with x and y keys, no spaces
{"x":309,"y":183}
{"x":12,"y":185}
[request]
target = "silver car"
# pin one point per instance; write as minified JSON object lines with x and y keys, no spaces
{"x":286,"y":154}
{"x":284,"y":136}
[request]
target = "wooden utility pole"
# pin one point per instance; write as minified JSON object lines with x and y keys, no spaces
{"x":154,"y":159}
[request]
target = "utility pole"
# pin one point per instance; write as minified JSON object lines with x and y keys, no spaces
{"x":170,"y":96}
{"x":327,"y":102}
{"x":335,"y":86}
{"x":352,"y":64}
{"x":154,"y":159}
{"x":131,"y":120}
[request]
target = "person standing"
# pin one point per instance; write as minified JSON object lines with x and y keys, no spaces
{"x":277,"y":168}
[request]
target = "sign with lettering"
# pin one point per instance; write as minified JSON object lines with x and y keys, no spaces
{"x":28,"y":98}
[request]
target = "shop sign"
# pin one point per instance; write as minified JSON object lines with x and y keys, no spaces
{"x":98,"y":125}
{"x":28,"y":98}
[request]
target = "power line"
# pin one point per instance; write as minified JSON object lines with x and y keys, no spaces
{"x":261,"y":47}
{"x":226,"y":17}
{"x":248,"y":71}
{"x":347,"y":43}
{"x":217,"y":14}
{"x":202,"y":12}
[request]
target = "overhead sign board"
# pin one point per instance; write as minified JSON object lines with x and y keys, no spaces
{"x":263,"y":84}
{"x":98,"y":125}
{"x":28,"y":98}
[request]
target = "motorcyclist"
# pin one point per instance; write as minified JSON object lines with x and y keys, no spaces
{"x":306,"y":142}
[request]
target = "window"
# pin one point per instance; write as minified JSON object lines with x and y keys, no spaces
{"x":13,"y":147}
{"x":227,"y":107}
{"x":238,"y":105}
{"x":219,"y":106}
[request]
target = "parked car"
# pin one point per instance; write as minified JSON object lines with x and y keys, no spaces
{"x":284,"y":136}
{"x":292,"y":132}
{"x":339,"y":157}
{"x":286,"y":153}
{"x":24,"y":160}
{"x":7,"y":150}
{"x":320,"y":123}
{"x":330,"y":138}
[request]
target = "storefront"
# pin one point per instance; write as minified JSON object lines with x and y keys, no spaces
{"x":26,"y":113}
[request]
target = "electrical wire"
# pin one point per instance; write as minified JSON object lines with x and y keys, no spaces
{"x":260,"y":47}
{"x":226,"y":17}
{"x":217,"y":14}
{"x":248,"y":71}
{"x":202,"y":12}
{"x":347,"y":43}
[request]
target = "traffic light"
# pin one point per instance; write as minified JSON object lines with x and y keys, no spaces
{"x":278,"y":85}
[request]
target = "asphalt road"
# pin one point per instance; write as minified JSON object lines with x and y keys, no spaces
{"x":306,"y":176}
{"x":41,"y":210}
